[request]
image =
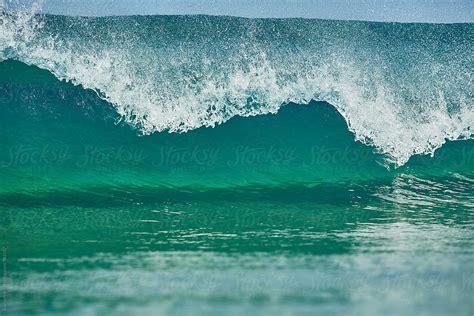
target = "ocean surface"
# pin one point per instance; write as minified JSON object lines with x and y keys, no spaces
{"x":204,"y":165}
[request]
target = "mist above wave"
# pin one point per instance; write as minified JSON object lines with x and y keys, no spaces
{"x":404,"y":88}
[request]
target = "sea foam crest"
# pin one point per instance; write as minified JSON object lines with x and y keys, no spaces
{"x":404,"y":89}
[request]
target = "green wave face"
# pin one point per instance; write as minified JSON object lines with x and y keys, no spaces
{"x":216,"y":165}
{"x":56,"y":136}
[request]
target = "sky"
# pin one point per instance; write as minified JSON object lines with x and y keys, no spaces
{"x":436,"y":11}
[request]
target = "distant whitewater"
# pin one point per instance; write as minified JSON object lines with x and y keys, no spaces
{"x":404,"y":88}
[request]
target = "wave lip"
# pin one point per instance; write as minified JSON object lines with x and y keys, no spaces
{"x":403,"y":88}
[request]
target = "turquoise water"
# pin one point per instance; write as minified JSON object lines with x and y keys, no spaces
{"x":210,"y":165}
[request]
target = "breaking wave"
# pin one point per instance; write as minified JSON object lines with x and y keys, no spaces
{"x":403,"y":88}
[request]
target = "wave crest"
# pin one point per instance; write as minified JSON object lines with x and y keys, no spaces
{"x":403,"y":88}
